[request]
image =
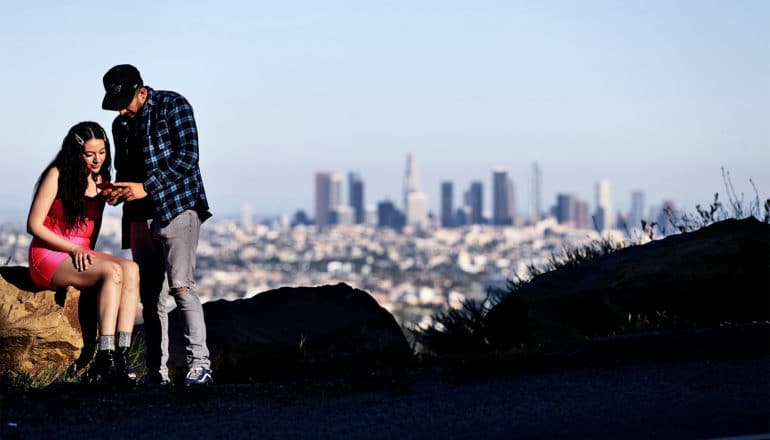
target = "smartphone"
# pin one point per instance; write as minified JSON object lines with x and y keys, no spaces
{"x":105,"y":186}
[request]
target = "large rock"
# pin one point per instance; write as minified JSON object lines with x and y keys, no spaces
{"x":717,"y":274}
{"x":279,"y":332}
{"x":40,"y":332}
{"x":297,"y":330}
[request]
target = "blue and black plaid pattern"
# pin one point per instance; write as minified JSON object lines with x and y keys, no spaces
{"x":170,"y":151}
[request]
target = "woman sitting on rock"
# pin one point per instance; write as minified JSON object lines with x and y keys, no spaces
{"x":64,"y":220}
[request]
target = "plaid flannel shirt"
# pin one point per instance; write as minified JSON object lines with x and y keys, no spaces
{"x":170,"y":150}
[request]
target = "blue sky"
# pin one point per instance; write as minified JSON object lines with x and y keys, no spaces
{"x":652,"y":95}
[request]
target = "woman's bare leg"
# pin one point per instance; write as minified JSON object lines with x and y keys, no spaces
{"x":105,"y":271}
{"x":129,"y":295}
{"x":129,"y":298}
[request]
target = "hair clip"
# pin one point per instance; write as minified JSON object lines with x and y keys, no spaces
{"x":79,"y":140}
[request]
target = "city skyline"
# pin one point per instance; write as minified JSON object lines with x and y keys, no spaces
{"x":636,"y":201}
{"x":469,"y":208}
{"x":650,"y":95}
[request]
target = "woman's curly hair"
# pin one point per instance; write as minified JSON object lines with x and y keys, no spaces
{"x":73,"y":174}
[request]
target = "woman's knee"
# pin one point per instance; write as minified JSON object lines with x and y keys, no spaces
{"x":130,"y":271}
{"x":112,"y":271}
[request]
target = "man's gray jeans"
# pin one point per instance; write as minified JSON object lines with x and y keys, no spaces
{"x":166,"y":259}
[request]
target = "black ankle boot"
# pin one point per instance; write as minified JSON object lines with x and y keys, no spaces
{"x":122,"y":364}
{"x":102,"y":370}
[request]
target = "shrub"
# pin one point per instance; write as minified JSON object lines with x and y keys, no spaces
{"x":464,"y":330}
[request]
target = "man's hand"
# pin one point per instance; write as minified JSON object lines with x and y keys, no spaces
{"x":126,"y":192}
{"x":111,"y":193}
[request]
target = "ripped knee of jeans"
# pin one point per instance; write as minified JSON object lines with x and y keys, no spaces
{"x":178,"y":290}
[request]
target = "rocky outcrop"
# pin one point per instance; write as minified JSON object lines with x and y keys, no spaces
{"x":297,"y":330}
{"x":40,"y":333}
{"x":717,"y":274}
{"x":279,"y":332}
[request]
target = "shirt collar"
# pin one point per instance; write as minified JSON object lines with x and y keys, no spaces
{"x":150,"y":102}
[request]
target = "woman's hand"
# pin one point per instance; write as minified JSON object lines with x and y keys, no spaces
{"x":81,"y":258}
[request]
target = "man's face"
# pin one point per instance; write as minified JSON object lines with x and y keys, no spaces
{"x":136,"y":104}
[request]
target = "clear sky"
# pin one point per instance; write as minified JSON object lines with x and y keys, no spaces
{"x":654,"y":95}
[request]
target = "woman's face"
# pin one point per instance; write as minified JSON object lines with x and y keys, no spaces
{"x":94,"y":154}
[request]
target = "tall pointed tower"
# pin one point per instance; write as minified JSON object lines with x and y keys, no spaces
{"x":415,"y":201}
{"x":411,"y":179}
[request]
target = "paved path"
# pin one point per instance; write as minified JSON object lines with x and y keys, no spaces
{"x":682,"y":400}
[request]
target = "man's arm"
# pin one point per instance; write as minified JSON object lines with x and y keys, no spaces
{"x":119,"y":138}
{"x":184,"y":140}
{"x":115,"y":195}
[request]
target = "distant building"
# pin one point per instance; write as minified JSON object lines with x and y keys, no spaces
{"x":411,"y":179}
{"x":582,"y":217}
{"x":666,"y":218}
{"x":623,"y":221}
{"x":603,"y":215}
{"x":356,"y":197}
{"x":537,"y":210}
{"x":565,"y":208}
{"x":342,"y":215}
{"x":503,"y":200}
{"x":328,"y":196}
{"x":476,"y":202}
{"x":388,"y":216}
{"x":417,"y":209}
{"x":637,"y":210}
{"x":371,"y":215}
{"x":300,"y":218}
{"x":247,"y":219}
{"x":447,"y":196}
{"x":463,"y":216}
{"x":600,"y":219}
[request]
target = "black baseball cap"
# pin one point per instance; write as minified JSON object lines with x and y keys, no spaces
{"x":120,"y":84}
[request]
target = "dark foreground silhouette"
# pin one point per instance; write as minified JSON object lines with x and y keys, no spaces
{"x":693,"y":386}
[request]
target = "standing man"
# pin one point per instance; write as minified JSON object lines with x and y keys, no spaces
{"x":158,"y":178}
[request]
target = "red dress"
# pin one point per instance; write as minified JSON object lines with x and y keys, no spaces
{"x":43,"y":261}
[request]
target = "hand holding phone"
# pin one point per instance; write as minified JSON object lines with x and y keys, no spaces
{"x":106,"y":186}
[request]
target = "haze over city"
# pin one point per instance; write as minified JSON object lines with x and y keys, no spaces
{"x":650,"y":95}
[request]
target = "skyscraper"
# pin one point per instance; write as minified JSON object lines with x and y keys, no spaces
{"x":388,"y":215}
{"x":637,"y":210}
{"x":502,"y":198}
{"x":328,"y":195}
{"x":537,"y":208}
{"x":476,"y":202}
{"x":463,"y":216}
{"x":356,"y":196}
{"x":336,"y":190}
{"x":447,"y":208}
{"x":246,"y":217}
{"x":370,"y":215}
{"x":417,"y":212}
{"x":565,"y":208}
{"x":581,"y":214}
{"x":603,"y":215}
{"x":411,"y":179}
{"x":342,"y":215}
